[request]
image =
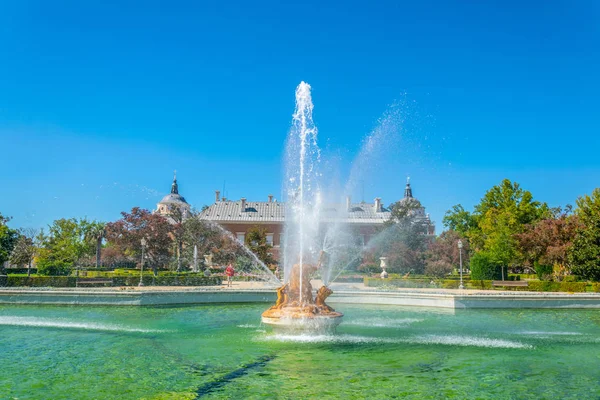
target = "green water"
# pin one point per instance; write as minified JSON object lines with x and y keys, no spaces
{"x":222,"y":352}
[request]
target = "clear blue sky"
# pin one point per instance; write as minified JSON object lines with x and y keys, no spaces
{"x":101,"y":101}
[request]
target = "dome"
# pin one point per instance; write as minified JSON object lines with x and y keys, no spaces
{"x":173,"y":198}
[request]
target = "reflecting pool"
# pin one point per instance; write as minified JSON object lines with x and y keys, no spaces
{"x":222,"y":352}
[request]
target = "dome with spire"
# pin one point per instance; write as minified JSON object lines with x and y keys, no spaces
{"x":412,"y":202}
{"x":172,"y":199}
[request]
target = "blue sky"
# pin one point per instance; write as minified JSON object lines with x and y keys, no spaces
{"x":101,"y":101}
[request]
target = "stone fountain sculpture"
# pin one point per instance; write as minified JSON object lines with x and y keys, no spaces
{"x":383,"y":265}
{"x":296,"y":306}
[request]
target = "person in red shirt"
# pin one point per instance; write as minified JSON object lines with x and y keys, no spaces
{"x":229,"y":271}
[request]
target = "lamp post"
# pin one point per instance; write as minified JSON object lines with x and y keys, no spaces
{"x":460,"y":246}
{"x":143,"y":241}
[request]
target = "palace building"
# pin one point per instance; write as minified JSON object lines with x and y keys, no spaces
{"x":239,"y":216}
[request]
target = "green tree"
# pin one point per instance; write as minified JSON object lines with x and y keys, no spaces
{"x":584,"y":255}
{"x":505,"y":210}
{"x":94,"y":234}
{"x":459,"y":220}
{"x":8,"y":239}
{"x":403,"y":242}
{"x":256,"y":241}
{"x":176,"y":215}
{"x":485,"y":267}
{"x":64,"y":246}
{"x":25,"y":249}
{"x":206,"y":237}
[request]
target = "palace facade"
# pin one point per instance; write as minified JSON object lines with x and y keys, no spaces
{"x":239,"y":216}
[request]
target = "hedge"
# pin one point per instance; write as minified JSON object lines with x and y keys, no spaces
{"x":150,"y":280}
{"x":406,"y":283}
{"x":481,"y":284}
{"x":573,"y":286}
{"x":546,"y":286}
{"x":42,"y":281}
{"x":11,"y":270}
{"x":450,"y":284}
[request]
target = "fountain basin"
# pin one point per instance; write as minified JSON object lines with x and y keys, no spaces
{"x":295,"y":318}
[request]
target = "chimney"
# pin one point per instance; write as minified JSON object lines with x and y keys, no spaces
{"x":348,"y":203}
{"x":377,"y":204}
{"x":270,"y":198}
{"x":243,"y":200}
{"x":217,"y":195}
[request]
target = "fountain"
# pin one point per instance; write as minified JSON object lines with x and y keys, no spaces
{"x":296,"y":307}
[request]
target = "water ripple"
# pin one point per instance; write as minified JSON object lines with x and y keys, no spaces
{"x":57,"y":323}
{"x":470,"y":341}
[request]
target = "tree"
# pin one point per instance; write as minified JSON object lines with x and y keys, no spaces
{"x":443,"y":256}
{"x":459,"y":220}
{"x":256,"y":241}
{"x":584,"y":254}
{"x":25,"y":248}
{"x":548,"y":241}
{"x":8,"y":239}
{"x":95,"y":233}
{"x":405,"y":209}
{"x":127,"y":234}
{"x":176,"y":216}
{"x":64,"y":246}
{"x":208,"y":238}
{"x":503,"y":211}
{"x":485,"y":267}
{"x":403,"y":243}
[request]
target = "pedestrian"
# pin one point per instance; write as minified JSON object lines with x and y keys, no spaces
{"x":229,"y":271}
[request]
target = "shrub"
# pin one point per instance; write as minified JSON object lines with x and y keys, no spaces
{"x":481,"y":284}
{"x":573,"y":286}
{"x":369,"y":268}
{"x":543,"y":272}
{"x":54,"y":267}
{"x":596,"y":287}
{"x":450,"y":284}
{"x":438,"y":268}
{"x":484,"y":268}
{"x":544,"y":286}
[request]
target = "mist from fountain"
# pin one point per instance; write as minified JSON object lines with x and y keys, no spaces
{"x":302,"y":187}
{"x":310,"y":227}
{"x":261,"y":266}
{"x":372,"y":156}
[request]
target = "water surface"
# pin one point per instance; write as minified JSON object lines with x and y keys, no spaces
{"x":222,"y":351}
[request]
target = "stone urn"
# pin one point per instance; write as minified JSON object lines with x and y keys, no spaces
{"x":208,"y":260}
{"x":383,"y":265}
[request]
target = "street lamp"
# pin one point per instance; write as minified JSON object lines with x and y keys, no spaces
{"x":460,"y":246}
{"x":143,"y":241}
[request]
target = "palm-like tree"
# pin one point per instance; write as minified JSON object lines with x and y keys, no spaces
{"x":96,"y":232}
